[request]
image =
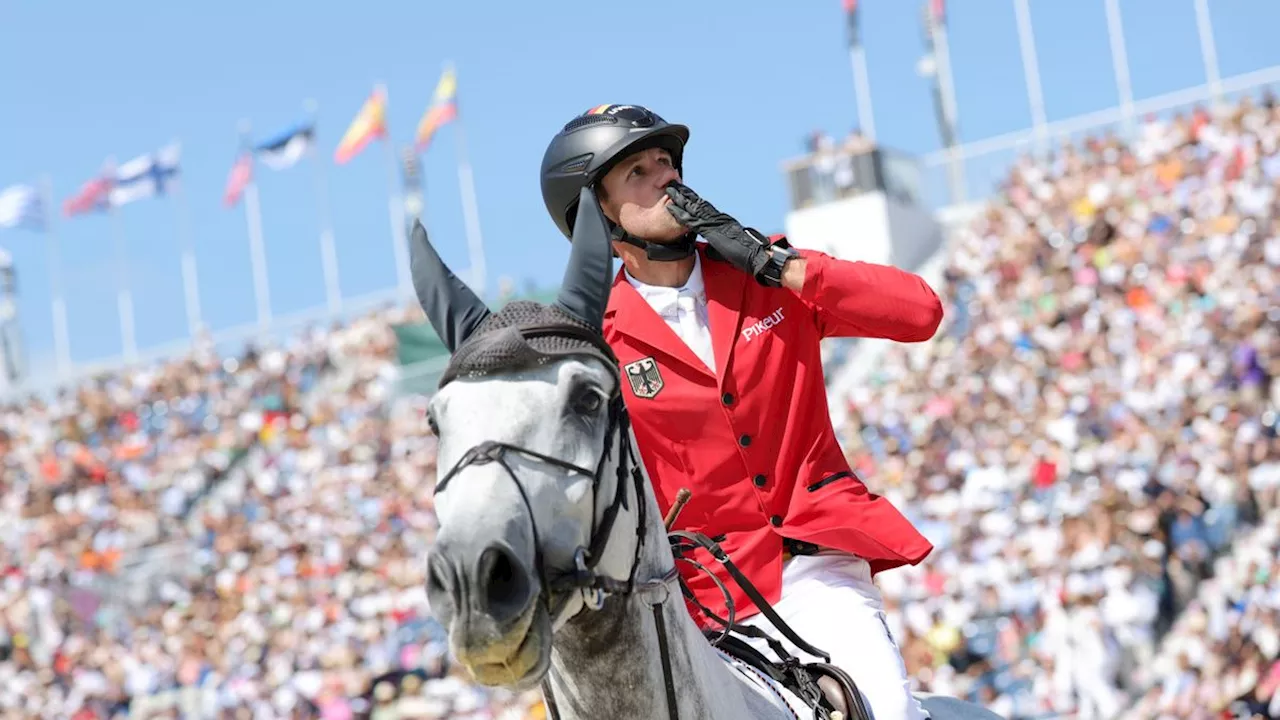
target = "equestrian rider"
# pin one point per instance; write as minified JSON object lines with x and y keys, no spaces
{"x":720,"y":345}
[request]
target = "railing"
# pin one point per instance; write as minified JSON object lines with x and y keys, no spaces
{"x":230,"y":339}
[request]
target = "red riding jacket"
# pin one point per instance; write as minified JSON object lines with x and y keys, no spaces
{"x":754,"y":441}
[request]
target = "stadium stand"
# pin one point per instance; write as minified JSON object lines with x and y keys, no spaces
{"x":1091,"y":441}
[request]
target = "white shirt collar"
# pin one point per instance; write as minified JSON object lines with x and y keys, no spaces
{"x":693,"y":287}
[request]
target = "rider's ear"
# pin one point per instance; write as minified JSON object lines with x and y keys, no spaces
{"x":584,"y":292}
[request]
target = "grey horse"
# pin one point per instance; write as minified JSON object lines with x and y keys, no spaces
{"x":552,"y":565}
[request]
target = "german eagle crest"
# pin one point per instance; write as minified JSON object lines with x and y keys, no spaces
{"x":646,"y":381}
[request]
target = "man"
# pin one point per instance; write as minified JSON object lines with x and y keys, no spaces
{"x":720,"y":347}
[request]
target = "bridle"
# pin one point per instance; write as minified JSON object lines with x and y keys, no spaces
{"x":593,"y":586}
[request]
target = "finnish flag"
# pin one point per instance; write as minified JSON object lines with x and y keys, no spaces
{"x":146,"y":175}
{"x":285,"y":150}
{"x":20,"y":206}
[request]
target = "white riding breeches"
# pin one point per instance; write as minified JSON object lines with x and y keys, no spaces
{"x":831,"y":602}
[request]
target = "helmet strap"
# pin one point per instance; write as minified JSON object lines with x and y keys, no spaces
{"x":657,"y":252}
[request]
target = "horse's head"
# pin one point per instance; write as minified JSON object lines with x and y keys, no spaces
{"x":535,"y":459}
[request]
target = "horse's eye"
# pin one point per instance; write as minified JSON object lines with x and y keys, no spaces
{"x":431,"y":423}
{"x":587,"y":403}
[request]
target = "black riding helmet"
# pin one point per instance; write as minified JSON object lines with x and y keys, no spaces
{"x":589,"y":146}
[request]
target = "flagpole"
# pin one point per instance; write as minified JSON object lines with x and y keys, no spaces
{"x":941,"y":52}
{"x":124,"y":295}
{"x":861,"y":79}
{"x":257,"y":251}
{"x":328,"y":251}
{"x":61,"y":337}
{"x":190,"y":282}
{"x":470,"y":214}
{"x":399,"y":246}
{"x":1031,"y":71}
{"x":1208,"y":50}
{"x":1120,"y":65}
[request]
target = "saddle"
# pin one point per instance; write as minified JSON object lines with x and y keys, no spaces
{"x":825,"y":688}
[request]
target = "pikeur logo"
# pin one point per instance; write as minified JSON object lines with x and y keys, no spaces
{"x":762,"y":326}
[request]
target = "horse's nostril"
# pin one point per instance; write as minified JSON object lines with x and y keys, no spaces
{"x":435,"y":582}
{"x":503,"y":584}
{"x":439,"y":587}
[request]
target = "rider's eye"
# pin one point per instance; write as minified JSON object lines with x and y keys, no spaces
{"x":587,"y":403}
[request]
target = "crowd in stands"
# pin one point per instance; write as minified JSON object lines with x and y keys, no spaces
{"x":229,"y":537}
{"x":1095,"y":431}
{"x":1091,"y":442}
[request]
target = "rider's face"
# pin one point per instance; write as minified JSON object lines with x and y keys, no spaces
{"x":634,"y":195}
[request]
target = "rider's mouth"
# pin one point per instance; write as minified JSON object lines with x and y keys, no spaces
{"x":518,"y":658}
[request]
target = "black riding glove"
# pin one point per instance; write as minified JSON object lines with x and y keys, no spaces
{"x":744,"y":248}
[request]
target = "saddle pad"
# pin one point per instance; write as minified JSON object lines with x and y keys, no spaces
{"x":769,"y":690}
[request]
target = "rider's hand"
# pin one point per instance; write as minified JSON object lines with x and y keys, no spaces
{"x":744,"y":248}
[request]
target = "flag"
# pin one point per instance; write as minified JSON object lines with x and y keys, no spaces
{"x":444,"y":107}
{"x":21,"y":206}
{"x":851,"y":21}
{"x":145,"y":176}
{"x":285,"y":150}
{"x":241,"y":176}
{"x":370,"y":124}
{"x":93,"y":196}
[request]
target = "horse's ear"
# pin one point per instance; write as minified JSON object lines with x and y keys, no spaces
{"x":451,"y":307}
{"x":584,"y":292}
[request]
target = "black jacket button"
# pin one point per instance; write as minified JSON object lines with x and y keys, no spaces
{"x":727,"y":398}
{"x":759,"y":480}
{"x":745,"y":440}
{"x":776,"y":521}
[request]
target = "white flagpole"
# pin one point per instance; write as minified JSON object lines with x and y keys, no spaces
{"x":257,"y":251}
{"x":471,"y":216}
{"x":399,"y":243}
{"x":61,"y":337}
{"x":190,"y":284}
{"x":124,"y":295}
{"x":861,"y":81}
{"x":328,"y":251}
{"x":947,"y":88}
{"x":1208,"y":50}
{"x":1031,"y":70}
{"x":1120,"y":63}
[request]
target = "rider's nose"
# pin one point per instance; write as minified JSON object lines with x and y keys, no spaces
{"x":504,"y":584}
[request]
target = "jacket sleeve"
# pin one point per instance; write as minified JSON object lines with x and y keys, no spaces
{"x":860,"y":299}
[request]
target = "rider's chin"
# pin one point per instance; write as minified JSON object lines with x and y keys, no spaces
{"x":517,"y":660}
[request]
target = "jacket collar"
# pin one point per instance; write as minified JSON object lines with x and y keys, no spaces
{"x":630,"y":314}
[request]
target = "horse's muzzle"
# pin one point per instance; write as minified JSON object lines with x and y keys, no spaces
{"x":487,"y":599}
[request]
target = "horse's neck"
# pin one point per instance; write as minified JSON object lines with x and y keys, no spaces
{"x":607,"y":663}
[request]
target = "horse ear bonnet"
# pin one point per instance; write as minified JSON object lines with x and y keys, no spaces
{"x":524,"y":334}
{"x":498,"y":345}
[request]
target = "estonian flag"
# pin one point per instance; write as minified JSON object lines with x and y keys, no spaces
{"x":286,"y":149}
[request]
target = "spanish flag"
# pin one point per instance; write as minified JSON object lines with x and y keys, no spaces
{"x":444,"y":107}
{"x":370,"y":124}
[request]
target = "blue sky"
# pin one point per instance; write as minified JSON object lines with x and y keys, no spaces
{"x":85,"y":81}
